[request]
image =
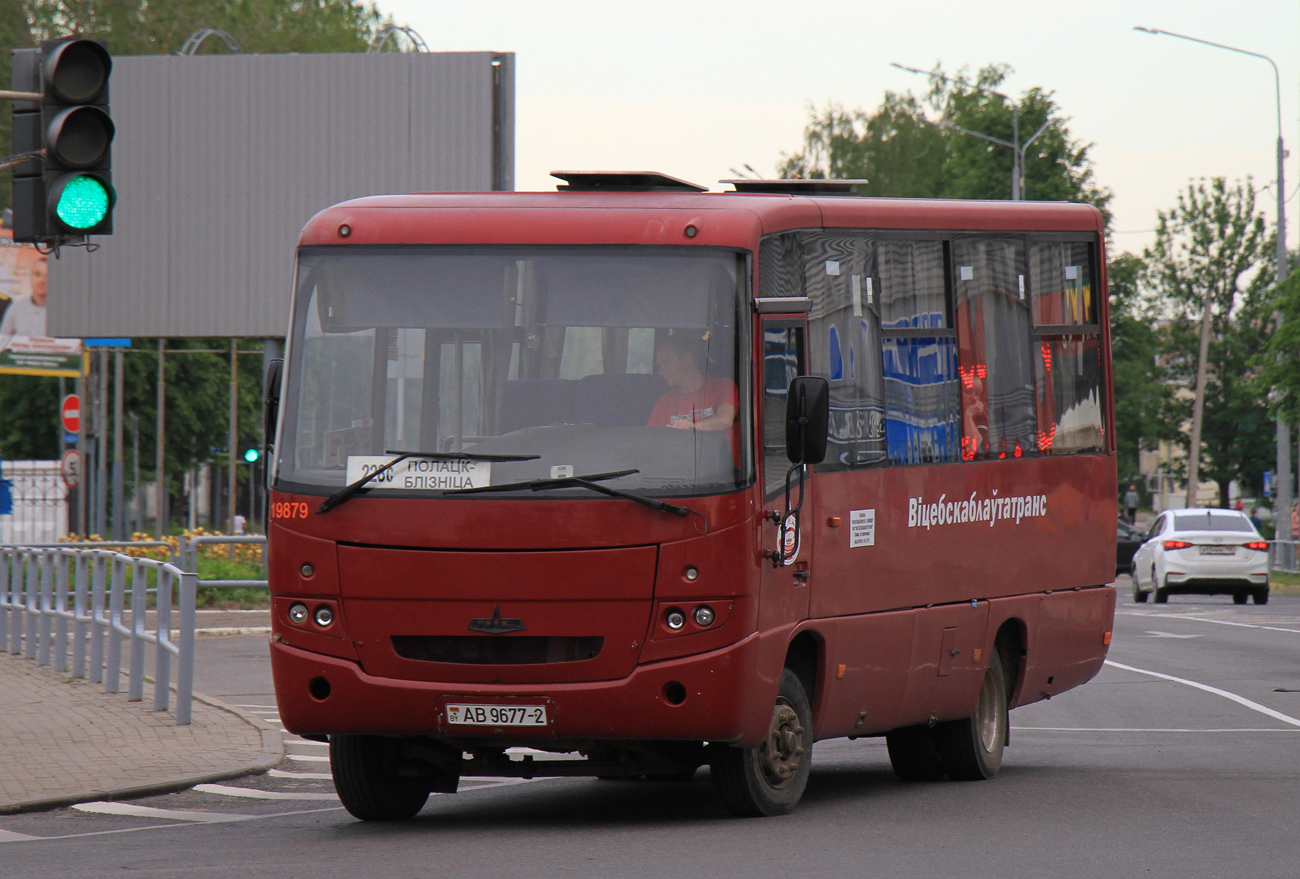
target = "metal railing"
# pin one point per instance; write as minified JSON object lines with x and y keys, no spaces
{"x":92,"y":602}
{"x":1284,"y":555}
{"x":189,"y":555}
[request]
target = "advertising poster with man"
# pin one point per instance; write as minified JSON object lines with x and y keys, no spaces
{"x":25,"y":346}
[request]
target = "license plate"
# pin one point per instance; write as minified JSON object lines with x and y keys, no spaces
{"x":1218,"y":550}
{"x":463,"y":714}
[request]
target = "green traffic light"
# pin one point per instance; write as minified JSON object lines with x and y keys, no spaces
{"x":252,"y":455}
{"x":84,"y":202}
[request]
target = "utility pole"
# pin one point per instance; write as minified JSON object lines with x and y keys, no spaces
{"x":158,"y":459}
{"x":234,"y":434}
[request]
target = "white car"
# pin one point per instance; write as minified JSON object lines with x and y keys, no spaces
{"x":1202,"y":552}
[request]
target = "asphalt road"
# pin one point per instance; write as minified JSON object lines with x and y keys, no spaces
{"x":1181,"y":759}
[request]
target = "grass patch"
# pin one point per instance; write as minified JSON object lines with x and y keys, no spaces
{"x":230,"y":598}
{"x":1284,"y":584}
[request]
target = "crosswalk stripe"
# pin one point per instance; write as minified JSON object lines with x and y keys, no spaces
{"x":308,"y":758}
{"x":294,"y":740}
{"x":314,"y":776}
{"x":129,"y":809}
{"x":13,"y":836}
{"x":249,"y":793}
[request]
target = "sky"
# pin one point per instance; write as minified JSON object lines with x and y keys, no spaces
{"x":695,"y":89}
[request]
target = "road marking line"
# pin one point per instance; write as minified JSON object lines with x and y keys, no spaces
{"x":295,"y":741}
{"x":249,"y":793}
{"x":257,"y":707}
{"x":314,"y":776}
{"x":1196,"y":619}
{"x":13,"y":836}
{"x":131,"y":810}
{"x":1233,"y":697}
{"x":1144,"y":729}
{"x":308,"y":758}
{"x":1170,"y":635}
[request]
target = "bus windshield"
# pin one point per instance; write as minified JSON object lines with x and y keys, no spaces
{"x":593,"y":359}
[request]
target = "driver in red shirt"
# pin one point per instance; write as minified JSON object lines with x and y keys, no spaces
{"x":693,"y":400}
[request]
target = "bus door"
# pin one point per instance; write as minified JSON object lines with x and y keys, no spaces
{"x":788,"y":568}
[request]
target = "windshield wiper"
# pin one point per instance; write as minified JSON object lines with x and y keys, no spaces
{"x":349,"y":490}
{"x":590,"y":480}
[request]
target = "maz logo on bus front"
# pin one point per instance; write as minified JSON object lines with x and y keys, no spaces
{"x":921,"y":514}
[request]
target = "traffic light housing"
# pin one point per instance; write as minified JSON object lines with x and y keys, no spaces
{"x":68,"y":192}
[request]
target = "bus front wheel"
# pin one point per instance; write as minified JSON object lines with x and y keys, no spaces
{"x":971,"y":748}
{"x":770,"y":779}
{"x":366,"y":778}
{"x":913,"y":755}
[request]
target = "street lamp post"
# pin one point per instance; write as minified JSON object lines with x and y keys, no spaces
{"x":1281,"y":517}
{"x":1018,"y":150}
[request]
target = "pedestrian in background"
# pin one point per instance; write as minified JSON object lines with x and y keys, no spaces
{"x":1131,"y":504}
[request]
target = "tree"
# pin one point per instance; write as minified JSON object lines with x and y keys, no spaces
{"x":1279,"y":367}
{"x":1208,"y":267}
{"x":901,"y":152}
{"x":1144,"y":399}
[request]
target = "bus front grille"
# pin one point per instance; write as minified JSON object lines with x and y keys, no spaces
{"x":496,"y":649}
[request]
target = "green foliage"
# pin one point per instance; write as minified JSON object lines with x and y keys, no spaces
{"x":1215,"y":245}
{"x":140,"y":27}
{"x":903,"y":154}
{"x":197,"y":406}
{"x":1144,"y":400}
{"x":1279,"y":365}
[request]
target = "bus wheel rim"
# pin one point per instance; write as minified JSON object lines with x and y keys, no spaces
{"x":780,"y":755}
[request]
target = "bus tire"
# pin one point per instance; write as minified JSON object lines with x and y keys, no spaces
{"x":913,"y":755}
{"x":971,"y":748}
{"x":769,"y":779}
{"x":365,"y":776}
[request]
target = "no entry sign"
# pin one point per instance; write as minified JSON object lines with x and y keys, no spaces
{"x":70,"y":413}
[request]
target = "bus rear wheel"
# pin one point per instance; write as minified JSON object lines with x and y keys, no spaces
{"x":971,"y":748}
{"x":770,"y":779}
{"x":367,"y":781}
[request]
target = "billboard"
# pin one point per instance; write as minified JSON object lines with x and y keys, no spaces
{"x":25,"y":346}
{"x":220,"y":160}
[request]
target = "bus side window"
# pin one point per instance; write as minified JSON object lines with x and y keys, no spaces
{"x":782,"y":358}
{"x":994,"y":351}
{"x":844,"y":343}
{"x":918,"y":352}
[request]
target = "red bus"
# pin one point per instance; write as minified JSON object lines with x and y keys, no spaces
{"x":637,"y":478}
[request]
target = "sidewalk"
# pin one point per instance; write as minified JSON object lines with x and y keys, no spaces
{"x":64,"y":742}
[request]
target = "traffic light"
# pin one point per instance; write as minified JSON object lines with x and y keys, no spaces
{"x":251,"y":455}
{"x":67,"y":192}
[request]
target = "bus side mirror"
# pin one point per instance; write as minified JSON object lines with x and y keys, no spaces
{"x":807,"y":419}
{"x":271,"y":412}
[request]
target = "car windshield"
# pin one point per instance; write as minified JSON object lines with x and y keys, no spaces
{"x":1205,"y":520}
{"x":554,"y":352}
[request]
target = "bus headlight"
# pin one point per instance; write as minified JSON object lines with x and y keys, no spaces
{"x":298,"y":613}
{"x":704,"y":616}
{"x":675,"y":619}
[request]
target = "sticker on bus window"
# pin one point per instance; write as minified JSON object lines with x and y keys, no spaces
{"x":419,"y":474}
{"x":862,"y":528}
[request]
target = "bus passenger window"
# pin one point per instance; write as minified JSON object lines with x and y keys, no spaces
{"x":994,"y":359}
{"x":844,"y":344}
{"x":918,"y":354}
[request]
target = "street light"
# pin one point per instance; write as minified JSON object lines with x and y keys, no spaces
{"x":1018,"y":149}
{"x":1283,"y":431}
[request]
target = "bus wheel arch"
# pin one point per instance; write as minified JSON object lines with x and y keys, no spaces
{"x":769,"y":779}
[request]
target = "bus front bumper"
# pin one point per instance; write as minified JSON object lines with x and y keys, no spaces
{"x":721,"y":696}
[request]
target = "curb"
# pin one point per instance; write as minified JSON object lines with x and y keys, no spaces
{"x":272,"y":755}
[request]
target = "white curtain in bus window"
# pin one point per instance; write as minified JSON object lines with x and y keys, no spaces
{"x":1070,"y":413}
{"x":994,"y":361}
{"x":1060,"y":284}
{"x":780,"y":365}
{"x":780,"y":266}
{"x":912,"y":289}
{"x":405,"y":389}
{"x":844,"y":336}
{"x":919,"y":372}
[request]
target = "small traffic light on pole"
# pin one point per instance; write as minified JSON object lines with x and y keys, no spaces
{"x":66,"y":193}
